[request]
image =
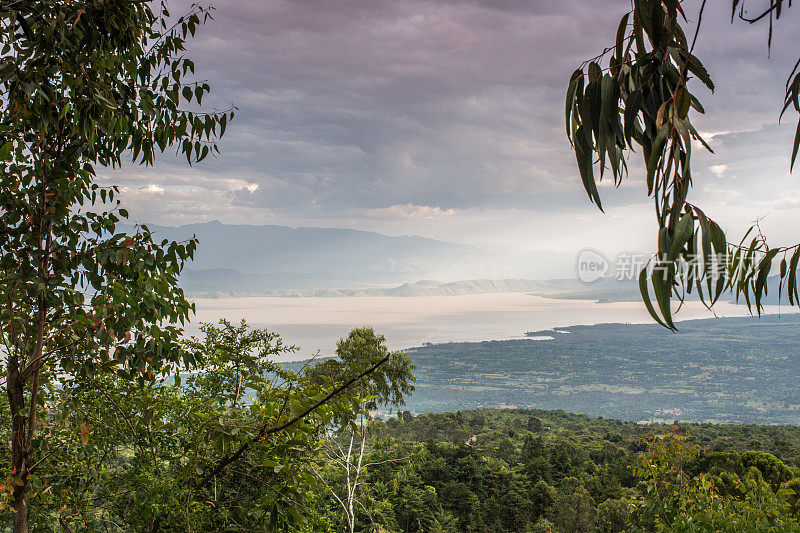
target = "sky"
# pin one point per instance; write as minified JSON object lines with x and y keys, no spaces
{"x":444,"y":118}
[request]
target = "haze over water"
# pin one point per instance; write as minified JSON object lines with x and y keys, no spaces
{"x":315,"y":324}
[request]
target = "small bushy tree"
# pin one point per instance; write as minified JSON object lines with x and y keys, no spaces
{"x":345,"y":442}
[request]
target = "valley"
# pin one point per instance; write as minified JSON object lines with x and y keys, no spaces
{"x":725,"y":370}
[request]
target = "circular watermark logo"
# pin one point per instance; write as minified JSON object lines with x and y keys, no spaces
{"x":592,"y":265}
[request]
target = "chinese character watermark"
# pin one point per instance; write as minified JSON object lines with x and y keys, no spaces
{"x":594,"y":266}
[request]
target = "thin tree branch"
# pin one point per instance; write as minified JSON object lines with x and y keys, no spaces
{"x":267,"y":431}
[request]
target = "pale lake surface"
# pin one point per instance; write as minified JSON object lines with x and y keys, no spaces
{"x":315,"y":324}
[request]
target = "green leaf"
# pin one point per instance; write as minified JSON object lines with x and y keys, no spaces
{"x":708,"y":260}
{"x":609,"y":103}
{"x":5,"y":151}
{"x":682,"y":102}
{"x":683,"y":231}
{"x":643,"y":290}
{"x":573,"y":84}
{"x":632,"y":107}
{"x":655,"y":156}
{"x":792,"y":281}
{"x":595,"y":72}
{"x":593,"y":103}
{"x":696,"y":67}
{"x":583,"y":153}
{"x":764,"y":267}
{"x":621,"y":29}
{"x":696,"y":135}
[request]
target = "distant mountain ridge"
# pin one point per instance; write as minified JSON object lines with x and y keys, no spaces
{"x":258,"y":259}
{"x":605,"y":290}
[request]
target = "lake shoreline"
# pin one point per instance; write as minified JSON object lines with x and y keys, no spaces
{"x":314,"y":324}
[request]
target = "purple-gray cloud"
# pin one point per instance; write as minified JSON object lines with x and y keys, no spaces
{"x":350,"y":107}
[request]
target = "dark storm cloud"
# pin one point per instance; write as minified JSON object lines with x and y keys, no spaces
{"x":371,"y":104}
{"x":445,"y":103}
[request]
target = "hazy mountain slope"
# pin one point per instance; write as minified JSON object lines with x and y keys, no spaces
{"x":242,"y":258}
{"x":229,"y":283}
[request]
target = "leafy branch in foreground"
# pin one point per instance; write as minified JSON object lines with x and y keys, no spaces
{"x":642,"y":98}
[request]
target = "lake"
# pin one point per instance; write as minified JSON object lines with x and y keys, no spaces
{"x":315,"y":324}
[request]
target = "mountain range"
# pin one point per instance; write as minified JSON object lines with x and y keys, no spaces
{"x":247,"y":259}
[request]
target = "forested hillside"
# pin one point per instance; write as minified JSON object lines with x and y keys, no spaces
{"x":531,"y":470}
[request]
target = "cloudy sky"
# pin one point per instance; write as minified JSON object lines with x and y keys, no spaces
{"x":444,"y":118}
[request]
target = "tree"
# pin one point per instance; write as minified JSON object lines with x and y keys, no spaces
{"x":642,"y":98}
{"x":673,"y":499}
{"x":123,"y":456}
{"x":139,"y":448}
{"x":612,"y":516}
{"x":345,"y":443}
{"x":87,"y":84}
{"x":772,"y":469}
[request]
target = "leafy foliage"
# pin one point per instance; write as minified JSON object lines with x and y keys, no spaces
{"x":675,"y":500}
{"x":643,"y":98}
{"x":85,"y":84}
{"x":118,"y":455}
{"x":523,"y":470}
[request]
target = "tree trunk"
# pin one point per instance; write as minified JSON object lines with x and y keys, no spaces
{"x":23,"y":425}
{"x":20,"y":507}
{"x":19,"y":450}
